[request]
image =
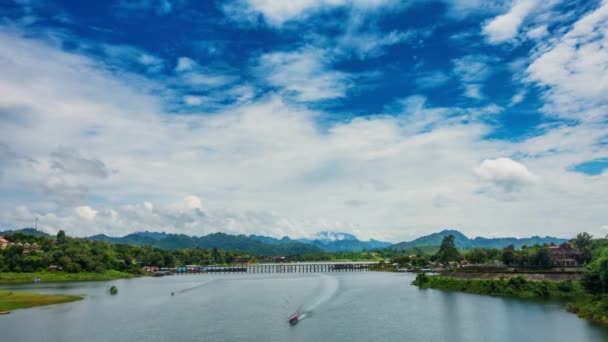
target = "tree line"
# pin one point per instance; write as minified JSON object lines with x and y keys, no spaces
{"x":81,"y":255}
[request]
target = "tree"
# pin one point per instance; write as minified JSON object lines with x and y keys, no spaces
{"x":447,"y":251}
{"x":583,"y":242}
{"x":476,"y":256}
{"x":61,"y":237}
{"x":508,"y":255}
{"x":595,"y":278}
{"x":543,"y":257}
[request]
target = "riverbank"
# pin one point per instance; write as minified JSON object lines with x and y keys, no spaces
{"x":20,"y":300}
{"x":552,"y":276}
{"x":579,"y":302}
{"x":26,"y":277}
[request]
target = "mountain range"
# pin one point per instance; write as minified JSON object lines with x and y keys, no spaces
{"x":318,"y":243}
{"x":462,"y":241}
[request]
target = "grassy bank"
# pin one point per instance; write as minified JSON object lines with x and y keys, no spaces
{"x":20,"y":300}
{"x":586,"y":306}
{"x":591,"y":308}
{"x":26,"y":277}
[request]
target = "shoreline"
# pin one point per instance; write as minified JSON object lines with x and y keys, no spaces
{"x":15,"y":278}
{"x":10,"y":300}
{"x":584,"y":305}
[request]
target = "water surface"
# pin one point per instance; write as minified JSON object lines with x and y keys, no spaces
{"x":365,"y":306}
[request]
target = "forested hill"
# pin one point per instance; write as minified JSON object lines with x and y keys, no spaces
{"x":462,"y":241}
{"x":221,"y":241}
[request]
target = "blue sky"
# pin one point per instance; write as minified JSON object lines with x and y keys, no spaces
{"x":385,"y":119}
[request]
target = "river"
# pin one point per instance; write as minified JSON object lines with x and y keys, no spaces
{"x":360,"y":306}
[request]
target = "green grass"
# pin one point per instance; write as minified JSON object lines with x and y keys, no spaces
{"x":20,"y":300}
{"x":26,"y":277}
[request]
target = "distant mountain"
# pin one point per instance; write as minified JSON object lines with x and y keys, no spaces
{"x":462,"y":241}
{"x":28,"y":231}
{"x":329,"y":242}
{"x":241,"y":243}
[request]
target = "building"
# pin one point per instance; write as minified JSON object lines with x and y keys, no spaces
{"x":565,"y":255}
{"x":3,"y":243}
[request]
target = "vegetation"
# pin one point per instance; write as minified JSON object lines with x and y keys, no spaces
{"x":588,"y":297}
{"x":113,"y":290}
{"x":463,"y":242}
{"x":65,"y":254}
{"x":515,"y":287}
{"x":20,"y":300}
{"x":46,"y":276}
{"x":64,"y":258}
{"x":447,"y":251}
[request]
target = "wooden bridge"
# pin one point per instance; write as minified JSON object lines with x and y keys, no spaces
{"x":272,"y":268}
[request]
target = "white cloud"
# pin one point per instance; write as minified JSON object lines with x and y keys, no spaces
{"x":506,"y":26}
{"x":573,"y":68}
{"x":304,"y":74}
{"x":185,"y":64}
{"x":473,"y":91}
{"x":537,"y":32}
{"x":505,"y":173}
{"x":86,"y":212}
{"x":160,"y":7}
{"x":276,"y":13}
{"x":518,"y":97}
{"x":432,"y":80}
{"x":192,"y":202}
{"x":474,"y":68}
{"x":265,"y":166}
{"x":193,"y":100}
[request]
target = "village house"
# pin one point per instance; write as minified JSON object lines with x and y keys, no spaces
{"x":565,"y":255}
{"x":3,"y":243}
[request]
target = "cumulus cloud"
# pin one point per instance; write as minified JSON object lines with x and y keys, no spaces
{"x":505,"y":173}
{"x":85,"y":212}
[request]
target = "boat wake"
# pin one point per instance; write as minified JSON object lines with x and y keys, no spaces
{"x":328,"y":288}
{"x":194,"y":287}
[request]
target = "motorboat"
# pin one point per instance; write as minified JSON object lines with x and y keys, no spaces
{"x":293,"y":319}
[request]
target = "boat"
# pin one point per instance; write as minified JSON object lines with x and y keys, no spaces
{"x":293,"y":319}
{"x":4,"y":312}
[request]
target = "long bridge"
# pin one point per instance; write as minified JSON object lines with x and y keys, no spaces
{"x":272,"y":268}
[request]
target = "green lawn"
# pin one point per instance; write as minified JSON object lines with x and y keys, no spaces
{"x":19,"y":300}
{"x":26,"y":277}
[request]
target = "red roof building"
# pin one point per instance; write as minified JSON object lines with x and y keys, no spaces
{"x":3,"y":243}
{"x":565,"y":255}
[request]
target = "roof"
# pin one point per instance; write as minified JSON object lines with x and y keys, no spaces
{"x":3,"y":239}
{"x":564,"y":247}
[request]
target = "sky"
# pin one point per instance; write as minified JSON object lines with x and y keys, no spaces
{"x":380,"y":118}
